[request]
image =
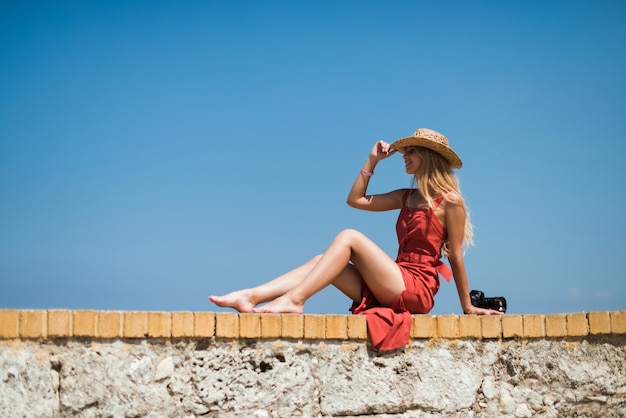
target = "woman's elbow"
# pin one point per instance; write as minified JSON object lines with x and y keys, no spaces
{"x":455,"y":256}
{"x":352,"y":202}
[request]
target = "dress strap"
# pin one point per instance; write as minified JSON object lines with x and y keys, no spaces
{"x":406,"y":195}
{"x":438,"y":202}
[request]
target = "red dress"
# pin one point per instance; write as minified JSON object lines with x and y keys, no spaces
{"x":420,"y":239}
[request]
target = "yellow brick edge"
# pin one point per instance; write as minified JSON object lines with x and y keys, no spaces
{"x":62,"y":323}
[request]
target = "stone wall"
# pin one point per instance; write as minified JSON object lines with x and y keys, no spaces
{"x":184,"y":364}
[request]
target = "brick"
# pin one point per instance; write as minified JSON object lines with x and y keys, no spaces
{"x":292,"y":326}
{"x":249,"y":325}
{"x":159,"y":324}
{"x":33,"y":324}
{"x":423,"y":326}
{"x":226,"y":325}
{"x":357,"y":327}
{"x":618,"y":322}
{"x":204,"y":324}
{"x":533,"y":326}
{"x":135,"y":324}
{"x":59,"y":323}
{"x":491,"y":326}
{"x":9,"y":320}
{"x":447,"y":326}
{"x":336,"y":327}
{"x":110,"y":324}
{"x":271,"y":325}
{"x":556,"y":325}
{"x":512,"y":326}
{"x":469,"y":326}
{"x":599,"y":323}
{"x":314,"y":326}
{"x":84,"y":323}
{"x":182,"y":324}
{"x":577,"y":325}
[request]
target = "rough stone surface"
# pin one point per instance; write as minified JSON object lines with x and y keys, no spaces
{"x":266,"y":379}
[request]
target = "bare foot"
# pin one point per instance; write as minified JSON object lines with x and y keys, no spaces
{"x":238,"y":300}
{"x":280,"y":305}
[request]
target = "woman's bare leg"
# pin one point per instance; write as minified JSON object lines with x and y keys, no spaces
{"x":377,"y":269}
{"x":246,"y":299}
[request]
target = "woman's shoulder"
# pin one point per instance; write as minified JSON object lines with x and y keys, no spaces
{"x":402,"y":194}
{"x":404,"y":191}
{"x":453,"y":197}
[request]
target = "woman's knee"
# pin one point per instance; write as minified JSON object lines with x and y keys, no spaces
{"x":349,"y":235}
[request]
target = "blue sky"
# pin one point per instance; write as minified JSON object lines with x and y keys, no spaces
{"x":153,"y":153}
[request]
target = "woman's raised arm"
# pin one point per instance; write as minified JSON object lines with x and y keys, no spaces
{"x":358,"y":198}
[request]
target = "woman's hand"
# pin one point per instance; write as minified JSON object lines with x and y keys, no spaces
{"x":473,"y":310}
{"x":358,"y":197}
{"x":380,"y":151}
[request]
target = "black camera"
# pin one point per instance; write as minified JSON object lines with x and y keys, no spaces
{"x":480,"y":301}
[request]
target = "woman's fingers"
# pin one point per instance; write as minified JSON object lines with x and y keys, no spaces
{"x":383,"y":149}
{"x":480,"y":311}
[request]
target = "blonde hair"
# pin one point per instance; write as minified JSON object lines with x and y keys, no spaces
{"x":435,"y":178}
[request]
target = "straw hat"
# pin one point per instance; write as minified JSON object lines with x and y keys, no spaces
{"x":432,"y":140}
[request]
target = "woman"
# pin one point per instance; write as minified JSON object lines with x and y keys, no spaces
{"x":433,"y":220}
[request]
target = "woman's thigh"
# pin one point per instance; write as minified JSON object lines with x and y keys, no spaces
{"x":381,"y":273}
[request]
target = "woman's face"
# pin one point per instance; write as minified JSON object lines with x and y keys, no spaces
{"x":412,"y":160}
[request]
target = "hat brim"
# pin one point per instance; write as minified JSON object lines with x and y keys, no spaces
{"x":413,"y":141}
